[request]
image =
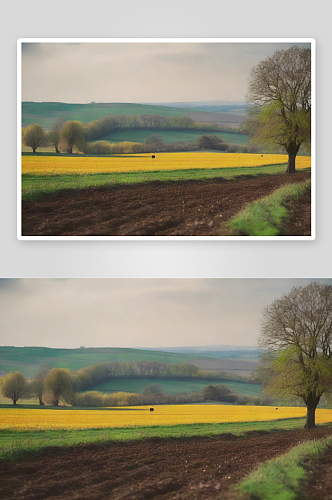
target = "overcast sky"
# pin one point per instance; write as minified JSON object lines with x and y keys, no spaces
{"x":135,"y":312}
{"x":139,"y":72}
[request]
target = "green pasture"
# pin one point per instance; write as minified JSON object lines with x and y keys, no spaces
{"x":284,"y":477}
{"x":35,"y":187}
{"x":172,"y":136}
{"x":266,"y":217}
{"x":28,"y":359}
{"x":24,"y":444}
{"x":174,"y":386}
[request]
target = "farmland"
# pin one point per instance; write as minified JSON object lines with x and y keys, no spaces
{"x":74,"y":182}
{"x":55,"y":165}
{"x":51,"y":419}
{"x":205,"y":459}
{"x":184,"y":208}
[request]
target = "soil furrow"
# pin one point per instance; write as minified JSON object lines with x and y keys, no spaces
{"x":190,"y":208}
{"x":192,"y":468}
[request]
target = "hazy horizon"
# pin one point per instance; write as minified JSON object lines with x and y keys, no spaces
{"x":132,"y":313}
{"x":139,"y":72}
{"x":146,"y":103}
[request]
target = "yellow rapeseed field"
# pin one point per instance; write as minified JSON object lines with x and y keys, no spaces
{"x":52,"y":165}
{"x":25,"y":419}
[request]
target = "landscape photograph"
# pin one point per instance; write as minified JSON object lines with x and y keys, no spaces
{"x":166,"y":139}
{"x":166,"y":388}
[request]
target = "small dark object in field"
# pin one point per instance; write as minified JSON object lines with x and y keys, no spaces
{"x":153,"y":156}
{"x":151,"y":409}
{"x":261,"y":155}
{"x":276,"y":408}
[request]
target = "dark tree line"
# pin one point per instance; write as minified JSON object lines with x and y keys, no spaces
{"x":93,"y":375}
{"x":55,"y":385}
{"x":70,"y":135}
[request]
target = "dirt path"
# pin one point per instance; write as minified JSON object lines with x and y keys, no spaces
{"x":196,"y":468}
{"x":299,"y":222}
{"x":319,"y":486}
{"x":190,"y":208}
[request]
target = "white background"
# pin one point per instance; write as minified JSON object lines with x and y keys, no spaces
{"x":159,"y":18}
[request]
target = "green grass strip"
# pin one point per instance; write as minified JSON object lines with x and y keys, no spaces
{"x":281,"y":478}
{"x":15,"y":444}
{"x":266,"y":217}
{"x":35,"y":187}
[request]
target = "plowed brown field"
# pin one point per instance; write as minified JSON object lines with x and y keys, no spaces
{"x":190,"y":208}
{"x":195,"y":468}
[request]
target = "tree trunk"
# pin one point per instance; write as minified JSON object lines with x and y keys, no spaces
{"x":40,"y":401}
{"x":14,"y":402}
{"x":310,"y":419}
{"x":71,"y":150}
{"x":292,"y":150}
{"x":57,"y":149}
{"x":33,"y":150}
{"x":291,"y":164}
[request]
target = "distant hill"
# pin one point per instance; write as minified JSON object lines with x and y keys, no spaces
{"x":29,"y":359}
{"x":46,"y":113}
{"x":219,"y":351}
{"x":172,"y":136}
{"x":212,"y":106}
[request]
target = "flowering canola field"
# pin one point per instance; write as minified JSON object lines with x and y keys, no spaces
{"x":29,"y":419}
{"x":56,"y":165}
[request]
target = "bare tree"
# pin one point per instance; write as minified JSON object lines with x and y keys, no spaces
{"x":33,"y":136}
{"x":37,"y":388}
{"x":296,"y":337}
{"x":53,"y":136}
{"x":73,"y":135}
{"x":13,"y":386}
{"x":37,"y":385}
{"x":58,"y":382}
{"x":279,"y":91}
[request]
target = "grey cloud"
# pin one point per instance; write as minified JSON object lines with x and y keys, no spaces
{"x":136,"y":312}
{"x":139,"y":72}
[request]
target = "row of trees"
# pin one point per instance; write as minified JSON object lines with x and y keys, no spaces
{"x":54,"y":384}
{"x":155,"y":144}
{"x":154,"y":394}
{"x":73,"y":135}
{"x":93,"y":375}
{"x":64,"y":135}
{"x":49,"y":386}
{"x":104,"y":126}
{"x":57,"y":384}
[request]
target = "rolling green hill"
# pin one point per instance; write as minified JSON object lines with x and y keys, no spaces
{"x":45,"y":113}
{"x":174,"y":386}
{"x":172,"y":136}
{"x":28,"y":359}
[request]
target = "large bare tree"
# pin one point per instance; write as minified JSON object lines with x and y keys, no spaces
{"x":279,"y":92}
{"x":33,"y":136}
{"x":296,"y":341}
{"x":53,"y":135}
{"x":73,"y":135}
{"x":13,"y":386}
{"x":58,"y":383}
